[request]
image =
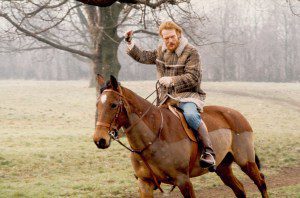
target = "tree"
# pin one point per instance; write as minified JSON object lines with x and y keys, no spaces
{"x":89,"y":32}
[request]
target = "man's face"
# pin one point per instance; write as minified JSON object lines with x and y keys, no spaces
{"x":171,"y":39}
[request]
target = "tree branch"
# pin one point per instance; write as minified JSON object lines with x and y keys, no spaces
{"x":106,"y":3}
{"x":57,"y":23}
{"x":55,"y":45}
{"x":292,"y":9}
{"x":141,"y":31}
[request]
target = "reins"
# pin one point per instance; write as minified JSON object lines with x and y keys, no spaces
{"x":116,"y":138}
{"x":140,"y":152}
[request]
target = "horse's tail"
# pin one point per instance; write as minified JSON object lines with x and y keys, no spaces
{"x":257,"y":161}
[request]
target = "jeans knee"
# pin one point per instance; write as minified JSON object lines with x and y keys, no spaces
{"x":193,"y":120}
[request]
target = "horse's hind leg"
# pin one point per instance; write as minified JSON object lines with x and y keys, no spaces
{"x":224,"y":171}
{"x":145,"y":188}
{"x":244,"y":156}
{"x":253,"y":172}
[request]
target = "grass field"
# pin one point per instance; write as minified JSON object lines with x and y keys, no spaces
{"x":46,"y":147}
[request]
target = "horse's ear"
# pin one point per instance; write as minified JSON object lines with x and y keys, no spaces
{"x":114,"y":82}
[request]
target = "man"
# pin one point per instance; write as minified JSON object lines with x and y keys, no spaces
{"x":178,"y":69}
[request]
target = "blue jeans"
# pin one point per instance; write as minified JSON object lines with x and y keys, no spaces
{"x":191,"y":114}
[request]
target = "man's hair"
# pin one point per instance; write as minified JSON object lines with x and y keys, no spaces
{"x":169,"y":25}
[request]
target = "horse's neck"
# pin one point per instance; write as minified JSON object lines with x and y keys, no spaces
{"x":137,"y":104}
{"x":143,"y":132}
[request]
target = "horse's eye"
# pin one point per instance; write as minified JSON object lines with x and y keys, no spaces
{"x":113,"y":105}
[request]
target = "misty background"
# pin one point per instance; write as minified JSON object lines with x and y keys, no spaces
{"x":237,"y":40}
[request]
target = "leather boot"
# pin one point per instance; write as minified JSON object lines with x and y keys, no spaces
{"x":208,"y":156}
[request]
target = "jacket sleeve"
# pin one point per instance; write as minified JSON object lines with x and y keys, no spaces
{"x":192,"y":73}
{"x":143,"y":56}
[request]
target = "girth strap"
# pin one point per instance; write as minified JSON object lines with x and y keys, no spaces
{"x":193,"y":157}
{"x":152,"y":173}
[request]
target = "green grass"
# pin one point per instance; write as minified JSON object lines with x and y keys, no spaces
{"x":46,"y":128}
{"x":285,"y":191}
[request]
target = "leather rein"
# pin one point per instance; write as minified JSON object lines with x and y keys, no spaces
{"x":113,"y":129}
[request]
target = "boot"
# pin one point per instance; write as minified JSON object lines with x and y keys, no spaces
{"x":207,"y":158}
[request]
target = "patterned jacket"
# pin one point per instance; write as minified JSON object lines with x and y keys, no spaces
{"x":184,"y":67}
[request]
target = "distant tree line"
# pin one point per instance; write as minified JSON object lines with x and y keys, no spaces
{"x":260,"y":41}
{"x":42,"y":65}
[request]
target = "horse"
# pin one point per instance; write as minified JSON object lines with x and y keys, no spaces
{"x":161,"y":150}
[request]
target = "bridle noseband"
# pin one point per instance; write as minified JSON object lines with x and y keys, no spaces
{"x":112,"y":128}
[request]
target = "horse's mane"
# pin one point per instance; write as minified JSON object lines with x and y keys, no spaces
{"x":130,"y":92}
{"x":108,"y":85}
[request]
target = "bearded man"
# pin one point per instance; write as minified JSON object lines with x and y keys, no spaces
{"x":179,"y":71}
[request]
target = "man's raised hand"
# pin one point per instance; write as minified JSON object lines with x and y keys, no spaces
{"x":128,"y":36}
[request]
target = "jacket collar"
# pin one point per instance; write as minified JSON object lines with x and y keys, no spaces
{"x":182,"y":43}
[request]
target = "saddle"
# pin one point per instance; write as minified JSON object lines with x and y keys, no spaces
{"x":171,"y":105}
{"x":183,"y":122}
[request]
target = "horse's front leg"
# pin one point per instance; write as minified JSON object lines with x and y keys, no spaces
{"x":145,"y":188}
{"x":186,"y":186}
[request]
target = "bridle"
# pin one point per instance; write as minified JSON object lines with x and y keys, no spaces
{"x":113,"y":129}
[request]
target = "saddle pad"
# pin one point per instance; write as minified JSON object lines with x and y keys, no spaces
{"x":183,"y":122}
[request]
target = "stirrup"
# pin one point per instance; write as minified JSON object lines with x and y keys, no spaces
{"x":211,"y":167}
{"x":206,"y":153}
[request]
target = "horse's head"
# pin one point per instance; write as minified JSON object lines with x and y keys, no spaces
{"x":112,"y":113}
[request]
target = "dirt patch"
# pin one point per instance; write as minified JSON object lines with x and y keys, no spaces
{"x":288,"y":176}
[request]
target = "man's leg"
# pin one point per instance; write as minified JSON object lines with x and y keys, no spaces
{"x":193,"y":119}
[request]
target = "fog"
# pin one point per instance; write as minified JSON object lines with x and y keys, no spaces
{"x":237,"y":40}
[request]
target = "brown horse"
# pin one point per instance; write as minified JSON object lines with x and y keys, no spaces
{"x":165,"y":151}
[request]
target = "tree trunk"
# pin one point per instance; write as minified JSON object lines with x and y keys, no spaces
{"x":294,"y":73}
{"x":107,"y":62}
{"x":224,"y":69}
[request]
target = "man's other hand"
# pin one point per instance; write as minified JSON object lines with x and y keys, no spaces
{"x":166,"y":81}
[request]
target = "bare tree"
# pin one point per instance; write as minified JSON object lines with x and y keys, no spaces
{"x":90,"y":33}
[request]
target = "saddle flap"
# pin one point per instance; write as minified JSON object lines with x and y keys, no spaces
{"x":183,"y":122}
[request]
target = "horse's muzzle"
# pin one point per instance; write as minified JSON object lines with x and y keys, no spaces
{"x":101,"y":144}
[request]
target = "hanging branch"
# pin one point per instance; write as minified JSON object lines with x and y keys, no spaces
{"x":106,"y":3}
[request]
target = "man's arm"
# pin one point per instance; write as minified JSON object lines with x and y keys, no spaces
{"x":142,"y":56}
{"x":192,"y":73}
